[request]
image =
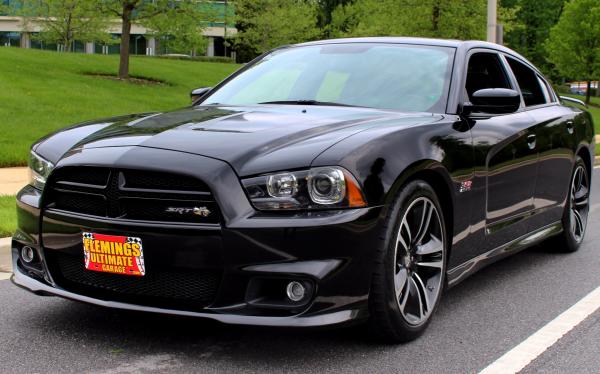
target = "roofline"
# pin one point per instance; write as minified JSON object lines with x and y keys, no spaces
{"x":452,"y":43}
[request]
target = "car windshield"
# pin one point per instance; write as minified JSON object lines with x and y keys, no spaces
{"x":386,"y":76}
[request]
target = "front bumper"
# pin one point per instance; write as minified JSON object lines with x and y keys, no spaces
{"x":332,"y":251}
{"x":28,"y":283}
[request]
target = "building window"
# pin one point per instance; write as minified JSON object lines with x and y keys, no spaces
{"x":10,"y":39}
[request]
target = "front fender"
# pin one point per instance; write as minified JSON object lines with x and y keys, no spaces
{"x":383,"y":159}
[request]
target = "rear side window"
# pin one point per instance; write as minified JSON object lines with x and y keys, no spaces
{"x":529,"y":83}
{"x":547,"y":88}
{"x":485,"y":71}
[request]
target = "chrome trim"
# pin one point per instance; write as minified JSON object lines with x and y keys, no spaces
{"x":573,"y":100}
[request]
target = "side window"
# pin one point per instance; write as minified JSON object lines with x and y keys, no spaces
{"x":529,"y":83}
{"x":485,"y":71}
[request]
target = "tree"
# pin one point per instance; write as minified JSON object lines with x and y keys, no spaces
{"x":532,"y":23}
{"x":326,"y":8}
{"x":455,"y":19}
{"x":574,"y":43}
{"x":186,"y":14}
{"x":180,"y":29}
{"x":65,"y":21}
{"x":265,"y":24}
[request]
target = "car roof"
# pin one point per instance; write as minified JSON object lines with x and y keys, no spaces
{"x":453,"y":43}
{"x":390,"y":39}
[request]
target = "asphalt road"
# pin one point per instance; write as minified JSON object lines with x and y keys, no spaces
{"x":478,"y":321}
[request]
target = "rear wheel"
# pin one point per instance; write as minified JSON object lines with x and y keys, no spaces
{"x":411,"y":267}
{"x":575,"y":216}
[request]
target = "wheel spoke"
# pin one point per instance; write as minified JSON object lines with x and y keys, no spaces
{"x":438,"y":264}
{"x":578,"y":222}
{"x":402,"y":303}
{"x":573,"y":222}
{"x":432,"y":246}
{"x":401,"y":239}
{"x":424,"y":293}
{"x":417,"y":294}
{"x":425,"y":221}
{"x":400,"y":281}
{"x":581,"y":196}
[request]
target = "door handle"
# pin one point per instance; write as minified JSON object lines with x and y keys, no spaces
{"x":570,"y":127}
{"x":531,"y":141}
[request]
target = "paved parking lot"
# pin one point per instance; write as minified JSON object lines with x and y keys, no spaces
{"x":478,"y":322}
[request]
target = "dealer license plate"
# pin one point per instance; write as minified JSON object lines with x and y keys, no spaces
{"x":113,"y":254}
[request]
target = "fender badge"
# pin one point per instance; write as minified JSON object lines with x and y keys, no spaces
{"x":465,"y":186}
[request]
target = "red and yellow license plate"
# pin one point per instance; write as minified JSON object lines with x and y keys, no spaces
{"x":113,"y":254}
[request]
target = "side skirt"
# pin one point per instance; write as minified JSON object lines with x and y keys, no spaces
{"x":464,"y":270}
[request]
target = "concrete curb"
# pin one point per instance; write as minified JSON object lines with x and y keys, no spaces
{"x":12,"y":180}
{"x":597,"y":161}
{"x":5,"y":258}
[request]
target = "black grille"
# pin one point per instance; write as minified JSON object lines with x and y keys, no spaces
{"x":132,"y":194}
{"x":160,"y":181}
{"x":157,"y":288}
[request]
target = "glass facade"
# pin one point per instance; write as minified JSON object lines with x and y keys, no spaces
{"x":10,"y":39}
{"x":218,"y":14}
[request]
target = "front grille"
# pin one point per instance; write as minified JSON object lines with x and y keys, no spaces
{"x":132,"y":194}
{"x":181,"y":288}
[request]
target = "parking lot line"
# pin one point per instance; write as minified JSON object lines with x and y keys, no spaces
{"x":520,"y":356}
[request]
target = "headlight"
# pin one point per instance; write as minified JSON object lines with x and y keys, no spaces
{"x":316,"y":188}
{"x":39,"y":170}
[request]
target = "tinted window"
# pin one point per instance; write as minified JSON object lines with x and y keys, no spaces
{"x":528,"y":83}
{"x":403,"y":77}
{"x":485,"y":71}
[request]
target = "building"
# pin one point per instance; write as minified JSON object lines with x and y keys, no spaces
{"x":580,"y":88}
{"x":14,"y":34}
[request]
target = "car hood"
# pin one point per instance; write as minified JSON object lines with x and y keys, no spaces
{"x":253,"y":139}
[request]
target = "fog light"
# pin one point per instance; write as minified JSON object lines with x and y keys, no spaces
{"x":295,"y":291}
{"x":27,"y":254}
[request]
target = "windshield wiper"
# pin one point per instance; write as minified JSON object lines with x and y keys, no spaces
{"x":306,"y":102}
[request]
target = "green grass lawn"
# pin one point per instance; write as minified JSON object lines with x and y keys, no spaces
{"x":594,"y":110}
{"x":42,"y":91}
{"x":8,"y":216}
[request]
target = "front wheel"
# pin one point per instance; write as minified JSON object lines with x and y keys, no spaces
{"x":411,"y":265}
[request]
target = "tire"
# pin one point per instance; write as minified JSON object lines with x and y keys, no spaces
{"x":575,"y":216}
{"x":411,"y":261}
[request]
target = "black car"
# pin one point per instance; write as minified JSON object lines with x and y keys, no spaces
{"x":322,"y":183}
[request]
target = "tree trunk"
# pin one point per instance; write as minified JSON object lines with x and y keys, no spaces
{"x":125,"y":35}
{"x":588,"y":92}
{"x":435,"y":18}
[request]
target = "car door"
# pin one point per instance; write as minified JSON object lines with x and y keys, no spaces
{"x":555,"y":133}
{"x":505,"y":153}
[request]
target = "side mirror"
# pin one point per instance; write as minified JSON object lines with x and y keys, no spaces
{"x":494,"y":101}
{"x":198,"y":93}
